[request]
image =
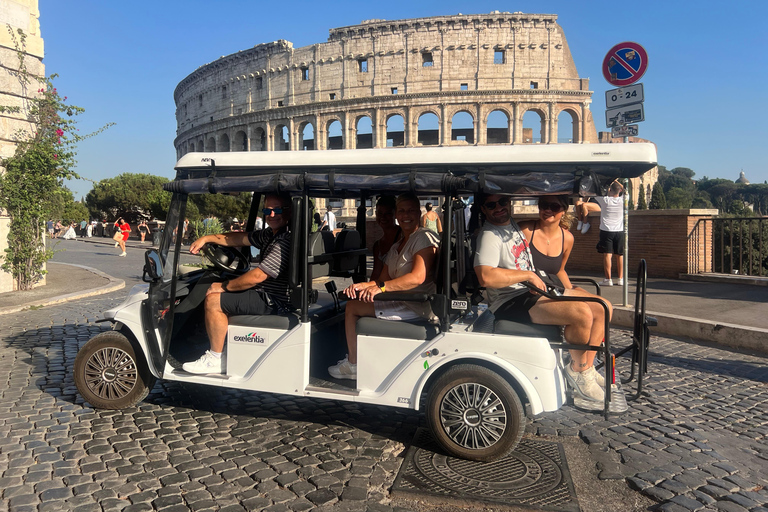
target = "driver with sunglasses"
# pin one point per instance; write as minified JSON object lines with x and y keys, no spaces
{"x":503,"y":262}
{"x":260,"y":291}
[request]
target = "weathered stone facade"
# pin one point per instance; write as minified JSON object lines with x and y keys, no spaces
{"x":509,"y":63}
{"x":24,"y":15}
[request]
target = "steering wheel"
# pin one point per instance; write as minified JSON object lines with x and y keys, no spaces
{"x":224,"y":258}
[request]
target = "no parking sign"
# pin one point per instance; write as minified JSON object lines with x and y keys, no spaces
{"x":625,"y":64}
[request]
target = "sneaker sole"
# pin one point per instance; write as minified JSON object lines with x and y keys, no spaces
{"x":341,"y":376}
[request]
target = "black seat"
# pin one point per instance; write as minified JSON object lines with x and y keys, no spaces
{"x":346,"y":240}
{"x":550,"y":332}
{"x":410,"y":330}
{"x":284,"y":322}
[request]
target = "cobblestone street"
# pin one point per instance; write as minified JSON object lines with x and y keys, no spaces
{"x":695,"y":441}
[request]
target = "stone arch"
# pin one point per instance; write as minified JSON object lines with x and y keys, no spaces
{"x":307,"y":136}
{"x":259,"y":139}
{"x":395,"y":130}
{"x":497,"y":127}
{"x":363,"y":132}
{"x":210,"y":145}
{"x":463,"y":127}
{"x":222,"y":145}
{"x":335,"y":130}
{"x":428,"y":128}
{"x":282,"y":138}
{"x":191,"y":146}
{"x":534,"y":122}
{"x":241,"y":141}
{"x":568,"y":133}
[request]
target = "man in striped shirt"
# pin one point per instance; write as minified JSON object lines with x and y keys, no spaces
{"x":260,"y":291}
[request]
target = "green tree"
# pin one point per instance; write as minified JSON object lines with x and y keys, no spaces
{"x":630,"y":199}
{"x":658,"y":201}
{"x":677,"y":198}
{"x":701,"y":200}
{"x":223,"y":206}
{"x":641,"y":204}
{"x":44,"y":157}
{"x":129,"y":195}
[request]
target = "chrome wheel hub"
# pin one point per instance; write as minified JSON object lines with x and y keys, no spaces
{"x":111,"y":373}
{"x":473,"y":416}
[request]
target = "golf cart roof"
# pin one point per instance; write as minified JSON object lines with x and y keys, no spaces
{"x":518,"y":169}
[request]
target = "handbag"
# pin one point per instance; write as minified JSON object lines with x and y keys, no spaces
{"x":118,"y":236}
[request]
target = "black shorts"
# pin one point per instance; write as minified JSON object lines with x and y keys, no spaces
{"x":247,"y":302}
{"x":516,"y":308}
{"x":611,"y":242}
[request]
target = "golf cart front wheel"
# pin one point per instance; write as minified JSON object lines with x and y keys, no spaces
{"x":109,"y":374}
{"x":474,"y":413}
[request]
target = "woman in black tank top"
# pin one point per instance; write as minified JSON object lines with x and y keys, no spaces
{"x":551,"y":241}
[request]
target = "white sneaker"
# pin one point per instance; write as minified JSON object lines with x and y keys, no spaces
{"x":208,"y":363}
{"x":579,"y":225}
{"x":585,"y":228}
{"x":343,"y":369}
{"x":620,"y":282}
{"x":117,"y":244}
{"x":598,"y":378}
{"x":587,"y":394}
{"x":606,"y":282}
{"x":122,"y":253}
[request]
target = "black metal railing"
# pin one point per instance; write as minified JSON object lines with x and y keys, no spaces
{"x":736,"y":245}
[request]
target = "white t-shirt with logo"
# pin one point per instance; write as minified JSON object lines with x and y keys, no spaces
{"x":503,"y":247}
{"x":330,"y":220}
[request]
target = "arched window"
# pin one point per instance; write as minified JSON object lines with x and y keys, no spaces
{"x":567,"y":127}
{"x":364,"y":129}
{"x":429,"y":129}
{"x":191,"y":147}
{"x":497,"y":129}
{"x":241,"y":141}
{"x":223,"y":144}
{"x":259,"y":140}
{"x":533,"y":127}
{"x":282,"y":138}
{"x":395,"y":131}
{"x":335,"y":138}
{"x":463,"y":127}
{"x":210,"y":145}
{"x":307,"y":137}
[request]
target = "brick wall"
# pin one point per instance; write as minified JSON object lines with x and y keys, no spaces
{"x":659,"y":236}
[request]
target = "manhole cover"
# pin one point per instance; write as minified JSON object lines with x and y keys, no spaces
{"x":534,"y":475}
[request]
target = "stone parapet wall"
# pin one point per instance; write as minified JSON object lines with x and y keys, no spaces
{"x":661,"y":237}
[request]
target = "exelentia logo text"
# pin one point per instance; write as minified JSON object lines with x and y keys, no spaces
{"x":250,"y":338}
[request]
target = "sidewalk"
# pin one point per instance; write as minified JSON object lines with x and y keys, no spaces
{"x":724,"y":309}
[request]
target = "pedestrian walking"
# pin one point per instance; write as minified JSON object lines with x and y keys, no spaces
{"x":89,"y":229}
{"x":143,"y":229}
{"x":121,"y":234}
{"x":50,"y":227}
{"x":611,"y":208}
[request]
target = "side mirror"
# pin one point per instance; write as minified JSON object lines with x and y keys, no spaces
{"x":153,"y":266}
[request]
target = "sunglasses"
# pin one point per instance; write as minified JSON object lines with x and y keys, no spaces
{"x":491,"y":205}
{"x":553,"y":207}
{"x":268,"y":211}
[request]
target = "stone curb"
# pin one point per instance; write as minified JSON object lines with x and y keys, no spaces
{"x":113,"y":285}
{"x":730,"y":335}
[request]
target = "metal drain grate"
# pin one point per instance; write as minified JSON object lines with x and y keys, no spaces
{"x":534,"y":475}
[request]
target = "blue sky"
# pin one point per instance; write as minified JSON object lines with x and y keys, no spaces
{"x":705,"y":88}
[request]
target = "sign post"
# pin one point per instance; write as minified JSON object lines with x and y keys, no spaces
{"x":623,"y":65}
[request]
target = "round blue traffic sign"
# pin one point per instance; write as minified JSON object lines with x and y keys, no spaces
{"x":625,"y":64}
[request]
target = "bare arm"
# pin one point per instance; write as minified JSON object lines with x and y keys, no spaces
{"x":422,"y":261}
{"x":239,"y":239}
{"x":495,"y":277}
{"x":240,"y":283}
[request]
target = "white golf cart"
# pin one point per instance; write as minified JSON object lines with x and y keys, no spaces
{"x":477,"y":378}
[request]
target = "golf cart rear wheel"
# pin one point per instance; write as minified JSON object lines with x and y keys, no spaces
{"x":110,"y":374}
{"x":474,"y":413}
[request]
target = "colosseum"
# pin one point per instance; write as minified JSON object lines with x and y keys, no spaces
{"x":444,"y":80}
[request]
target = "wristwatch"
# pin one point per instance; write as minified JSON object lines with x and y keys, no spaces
{"x":381,"y":285}
{"x":224,"y":286}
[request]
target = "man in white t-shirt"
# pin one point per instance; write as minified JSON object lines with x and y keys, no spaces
{"x":503,"y":262}
{"x":329,"y":220}
{"x":612,"y":232}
